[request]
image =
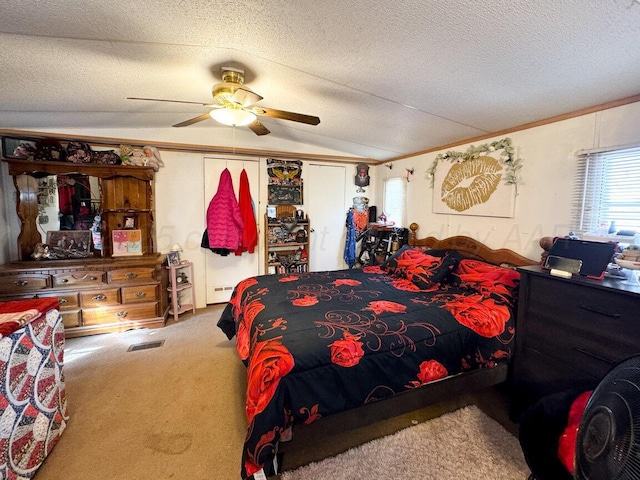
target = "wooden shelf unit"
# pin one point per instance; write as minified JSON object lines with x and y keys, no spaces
{"x":285,"y":253}
{"x":176,"y":287}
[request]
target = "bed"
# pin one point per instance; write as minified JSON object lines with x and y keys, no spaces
{"x":317,"y":344}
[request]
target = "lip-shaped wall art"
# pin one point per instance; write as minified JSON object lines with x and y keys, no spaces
{"x":471,"y":183}
{"x":473,"y":187}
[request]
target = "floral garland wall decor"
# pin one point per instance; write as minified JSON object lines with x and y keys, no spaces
{"x":481,"y":181}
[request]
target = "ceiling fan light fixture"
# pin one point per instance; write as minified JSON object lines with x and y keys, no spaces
{"x":234,"y":117}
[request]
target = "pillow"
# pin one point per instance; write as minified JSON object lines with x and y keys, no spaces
{"x":399,"y":252}
{"x":488,"y":279}
{"x":429,"y":276}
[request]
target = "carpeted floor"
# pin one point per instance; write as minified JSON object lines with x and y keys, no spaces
{"x":177,"y":411}
{"x":462,"y":445}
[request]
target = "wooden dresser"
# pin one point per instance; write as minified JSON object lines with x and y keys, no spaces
{"x":96,"y":295}
{"x":570,"y":333}
{"x":99,"y":293}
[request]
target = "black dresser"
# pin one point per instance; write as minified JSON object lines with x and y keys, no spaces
{"x":570,"y":333}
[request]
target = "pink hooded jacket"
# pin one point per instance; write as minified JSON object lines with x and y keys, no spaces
{"x":224,"y":223}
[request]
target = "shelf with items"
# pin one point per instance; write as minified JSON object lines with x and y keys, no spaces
{"x":288,"y":261}
{"x":181,"y":282}
{"x":287,"y":243}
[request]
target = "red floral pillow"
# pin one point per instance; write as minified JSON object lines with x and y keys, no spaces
{"x":488,"y":279}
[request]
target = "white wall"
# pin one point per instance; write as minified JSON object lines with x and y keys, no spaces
{"x":543,"y":203}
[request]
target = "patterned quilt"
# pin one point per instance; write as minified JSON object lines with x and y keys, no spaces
{"x":33,"y":405}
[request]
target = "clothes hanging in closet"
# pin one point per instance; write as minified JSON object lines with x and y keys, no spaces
{"x":224,"y":222}
{"x":250,"y":230}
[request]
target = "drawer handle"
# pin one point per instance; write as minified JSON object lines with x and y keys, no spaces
{"x":122,"y":313}
{"x":140,"y":294}
{"x":64,"y":280}
{"x":83,"y":277}
{"x":593,"y":355}
{"x":62,"y":301}
{"x":131,"y":276}
{"x":99,"y":298}
{"x":21,"y":283}
{"x":601,"y":312}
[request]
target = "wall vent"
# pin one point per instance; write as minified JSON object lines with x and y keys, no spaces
{"x":145,"y":346}
{"x":222,"y":289}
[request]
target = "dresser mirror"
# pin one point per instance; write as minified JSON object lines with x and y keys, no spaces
{"x":67,"y":202}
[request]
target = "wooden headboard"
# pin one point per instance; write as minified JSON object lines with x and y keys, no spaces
{"x":470,"y":248}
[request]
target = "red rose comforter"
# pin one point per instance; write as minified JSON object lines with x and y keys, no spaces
{"x":320,"y":343}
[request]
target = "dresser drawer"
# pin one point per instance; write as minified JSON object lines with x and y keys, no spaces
{"x":70,"y":319}
{"x":131,"y":275}
{"x":78,"y":278}
{"x":99,"y":298}
{"x":536,"y":375}
{"x":67,"y":300}
{"x":591,"y":307}
{"x":588,"y":328}
{"x":15,"y":284}
{"x":119,"y":313}
{"x":139,"y":293}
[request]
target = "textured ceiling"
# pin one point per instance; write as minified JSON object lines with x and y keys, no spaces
{"x":385,"y":78}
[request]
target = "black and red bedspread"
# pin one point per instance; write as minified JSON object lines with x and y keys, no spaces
{"x":320,"y":343}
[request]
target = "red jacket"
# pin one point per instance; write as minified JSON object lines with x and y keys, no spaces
{"x":250,"y":230}
{"x":224,"y":222}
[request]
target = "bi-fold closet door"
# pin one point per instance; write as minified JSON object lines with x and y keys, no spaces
{"x":223,"y":273}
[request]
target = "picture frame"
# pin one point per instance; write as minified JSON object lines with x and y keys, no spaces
{"x":129,"y":222}
{"x":18,"y":148}
{"x":126,"y":243}
{"x":70,"y":243}
{"x":173,"y":259}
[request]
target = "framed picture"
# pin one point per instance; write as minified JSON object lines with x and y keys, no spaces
{"x":173,"y":259}
{"x":129,"y":222}
{"x":70,"y":243}
{"x":126,"y":242}
{"x":18,"y":147}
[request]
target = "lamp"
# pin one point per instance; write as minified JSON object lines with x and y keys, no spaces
{"x":234,"y":117}
{"x":175,"y":248}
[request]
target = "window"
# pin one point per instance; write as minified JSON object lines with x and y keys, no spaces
{"x":607,"y":189}
{"x":394,"y":200}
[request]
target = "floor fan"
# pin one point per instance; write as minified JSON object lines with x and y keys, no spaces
{"x":608,"y":443}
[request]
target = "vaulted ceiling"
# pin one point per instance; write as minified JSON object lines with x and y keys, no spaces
{"x":386,"y":78}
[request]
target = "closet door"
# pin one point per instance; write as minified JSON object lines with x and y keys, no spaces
{"x":325,"y":203}
{"x":223,"y":273}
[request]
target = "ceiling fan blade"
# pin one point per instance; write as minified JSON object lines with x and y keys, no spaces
{"x":294,"y":117}
{"x":258,"y":128}
{"x":171,"y":101}
{"x":191,"y":121}
{"x":245,"y":97}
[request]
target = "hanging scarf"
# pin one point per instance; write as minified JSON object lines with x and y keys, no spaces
{"x":350,"y":242}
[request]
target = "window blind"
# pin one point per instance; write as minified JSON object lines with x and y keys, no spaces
{"x":607,"y":189}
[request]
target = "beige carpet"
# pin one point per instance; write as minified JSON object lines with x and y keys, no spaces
{"x":173,"y":412}
{"x":177,"y":411}
{"x":465,"y":444}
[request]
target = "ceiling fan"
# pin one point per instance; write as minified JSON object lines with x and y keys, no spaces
{"x":233,"y":105}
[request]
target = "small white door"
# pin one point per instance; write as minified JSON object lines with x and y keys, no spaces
{"x":325,"y":204}
{"x":224,"y":272}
